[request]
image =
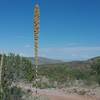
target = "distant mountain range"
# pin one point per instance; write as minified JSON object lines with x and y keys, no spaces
{"x":82,"y":64}
{"x":78,"y":64}
{"x":43,"y":60}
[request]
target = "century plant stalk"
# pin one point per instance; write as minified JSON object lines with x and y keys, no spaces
{"x":36,"y":38}
{"x":36,"y":31}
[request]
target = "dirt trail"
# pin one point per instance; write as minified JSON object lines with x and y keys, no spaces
{"x":58,"y":96}
{"x":53,"y":94}
{"x":72,"y":97}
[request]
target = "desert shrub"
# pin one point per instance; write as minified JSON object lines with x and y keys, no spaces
{"x":16,"y":93}
{"x":96,"y":70}
{"x":14,"y":68}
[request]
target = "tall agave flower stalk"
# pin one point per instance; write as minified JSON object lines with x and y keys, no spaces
{"x":36,"y":31}
{"x":36,"y":37}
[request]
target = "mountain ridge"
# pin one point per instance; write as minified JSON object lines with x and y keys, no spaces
{"x":43,"y":60}
{"x":78,"y":64}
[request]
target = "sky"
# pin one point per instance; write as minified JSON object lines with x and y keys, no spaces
{"x":69,"y":29}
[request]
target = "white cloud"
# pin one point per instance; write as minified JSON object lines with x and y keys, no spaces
{"x":70,"y":53}
{"x":72,"y":44}
{"x":27,"y":46}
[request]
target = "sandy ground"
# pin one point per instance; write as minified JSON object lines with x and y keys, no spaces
{"x":69,"y":97}
{"x":57,"y":95}
{"x":72,"y":97}
{"x":53,"y":94}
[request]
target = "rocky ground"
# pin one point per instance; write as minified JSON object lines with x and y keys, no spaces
{"x":72,"y":97}
{"x":72,"y":93}
{"x":69,"y":94}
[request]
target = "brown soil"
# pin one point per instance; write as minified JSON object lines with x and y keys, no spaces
{"x":69,"y":97}
{"x":73,"y":97}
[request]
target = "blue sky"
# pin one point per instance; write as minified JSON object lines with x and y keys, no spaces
{"x":69,"y":30}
